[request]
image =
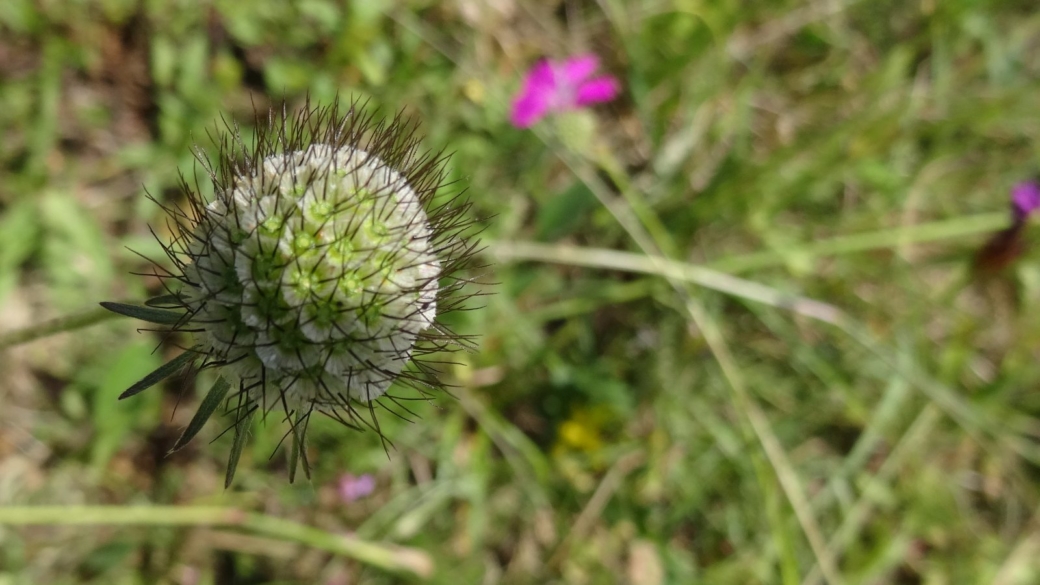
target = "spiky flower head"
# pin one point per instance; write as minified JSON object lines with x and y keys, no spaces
{"x":313,"y":279}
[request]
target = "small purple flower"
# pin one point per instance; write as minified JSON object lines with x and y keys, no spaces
{"x":1025,"y":198}
{"x":353,"y":488}
{"x":555,"y":86}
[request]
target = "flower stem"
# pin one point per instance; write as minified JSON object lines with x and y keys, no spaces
{"x":387,"y":557}
{"x":57,"y":325}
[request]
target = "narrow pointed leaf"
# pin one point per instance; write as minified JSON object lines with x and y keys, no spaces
{"x":164,"y":371}
{"x":298,"y":452}
{"x":294,"y":457}
{"x":152,"y":315}
{"x":165,"y":302}
{"x":241,"y":430}
{"x":206,"y":409}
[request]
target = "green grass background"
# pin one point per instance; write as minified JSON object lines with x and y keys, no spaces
{"x":733,"y":339}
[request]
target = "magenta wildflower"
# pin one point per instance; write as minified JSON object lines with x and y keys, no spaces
{"x":1007,"y":245}
{"x":353,"y":487}
{"x":555,"y":86}
{"x":1025,"y":198}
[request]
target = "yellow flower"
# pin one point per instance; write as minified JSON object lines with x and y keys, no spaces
{"x":581,"y":431}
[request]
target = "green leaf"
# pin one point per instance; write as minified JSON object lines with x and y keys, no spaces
{"x":19,"y":236}
{"x":106,"y":557}
{"x":564,"y":213}
{"x":164,"y":371}
{"x":74,"y":253}
{"x":206,"y":409}
{"x":113,"y":422}
{"x":160,"y":316}
{"x":241,"y":430}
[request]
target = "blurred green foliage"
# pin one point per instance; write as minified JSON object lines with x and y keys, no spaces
{"x":596,"y":436}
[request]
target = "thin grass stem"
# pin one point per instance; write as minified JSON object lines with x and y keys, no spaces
{"x":390,"y":558}
{"x":54,"y":326}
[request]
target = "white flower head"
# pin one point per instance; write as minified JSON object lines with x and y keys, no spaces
{"x":314,"y":278}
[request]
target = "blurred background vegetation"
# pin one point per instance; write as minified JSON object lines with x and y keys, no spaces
{"x":815,"y":389}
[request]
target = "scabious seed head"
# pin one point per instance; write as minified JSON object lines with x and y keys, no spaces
{"x":313,"y":279}
{"x":316,"y":275}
